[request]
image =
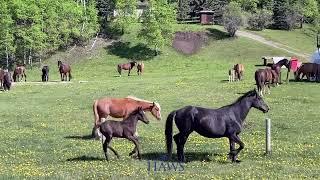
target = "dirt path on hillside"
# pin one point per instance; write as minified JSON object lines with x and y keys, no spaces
{"x":273,"y":44}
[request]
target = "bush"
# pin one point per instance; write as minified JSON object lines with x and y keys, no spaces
{"x":259,"y":20}
{"x":232,"y":18}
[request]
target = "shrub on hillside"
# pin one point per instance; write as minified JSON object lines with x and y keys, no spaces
{"x":232,"y":18}
{"x":259,"y":20}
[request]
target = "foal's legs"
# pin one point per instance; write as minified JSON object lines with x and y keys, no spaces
{"x":106,"y":146}
{"x":136,"y":143}
{"x":234,"y":153}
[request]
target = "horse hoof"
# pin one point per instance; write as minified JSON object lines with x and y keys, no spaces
{"x":236,"y":161}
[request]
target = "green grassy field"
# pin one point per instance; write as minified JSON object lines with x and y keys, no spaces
{"x":301,"y":40}
{"x":45,"y":127}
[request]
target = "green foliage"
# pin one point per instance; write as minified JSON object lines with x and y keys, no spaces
{"x":157,"y":24}
{"x":126,"y":13}
{"x":32,"y":28}
{"x":232,"y":18}
{"x":259,"y":20}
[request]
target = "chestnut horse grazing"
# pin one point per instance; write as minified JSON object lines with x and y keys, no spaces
{"x":19,"y":72}
{"x":239,"y":70}
{"x":120,"y":108}
{"x":64,"y":69}
{"x":140,"y":68}
{"x":123,"y":129}
{"x":265,"y":77}
{"x":308,"y":70}
{"x":126,"y":66}
{"x":226,"y":121}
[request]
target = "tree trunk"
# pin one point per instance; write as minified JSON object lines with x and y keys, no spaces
{"x":7,"y":56}
{"x":24,"y":56}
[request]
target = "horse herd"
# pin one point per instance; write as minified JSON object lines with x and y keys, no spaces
{"x":226,"y":121}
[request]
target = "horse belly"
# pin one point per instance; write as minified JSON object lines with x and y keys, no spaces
{"x":211,"y":129}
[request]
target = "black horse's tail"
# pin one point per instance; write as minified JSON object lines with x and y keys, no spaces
{"x":168,"y":132}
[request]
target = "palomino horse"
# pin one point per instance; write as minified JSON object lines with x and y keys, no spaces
{"x":140,"y":68}
{"x":120,"y":108}
{"x":123,"y":129}
{"x":126,"y":66}
{"x":278,"y":65}
{"x":309,"y":70}
{"x":263,"y":77}
{"x":226,"y":121}
{"x":19,"y":72}
{"x":64,"y":69}
{"x":45,"y":73}
{"x":239,"y":70}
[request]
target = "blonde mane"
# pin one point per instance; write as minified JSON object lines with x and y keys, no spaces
{"x":138,"y":99}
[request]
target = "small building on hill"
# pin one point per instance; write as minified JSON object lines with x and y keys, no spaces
{"x":206,"y":17}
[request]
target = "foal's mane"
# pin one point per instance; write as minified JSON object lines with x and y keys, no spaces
{"x":142,"y":100}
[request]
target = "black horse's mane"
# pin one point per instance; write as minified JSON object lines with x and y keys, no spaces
{"x":247,"y":94}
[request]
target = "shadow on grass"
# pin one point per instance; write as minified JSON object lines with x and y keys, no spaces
{"x":85,"y":137}
{"x":86,"y":158}
{"x":217,"y":34}
{"x":137,"y":52}
{"x":190,"y":156}
{"x":303,"y":80}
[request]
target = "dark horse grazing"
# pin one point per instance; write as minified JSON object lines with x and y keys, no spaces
{"x":126,"y":66}
{"x":308,"y":70}
{"x":5,"y":79}
{"x":120,"y":108}
{"x":265,"y":77}
{"x":123,"y":129}
{"x":226,"y":121}
{"x":64,"y":69}
{"x":45,"y":73}
{"x":277,"y":68}
{"x":20,"y":72}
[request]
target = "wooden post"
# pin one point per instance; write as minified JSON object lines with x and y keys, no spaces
{"x":268,"y":136}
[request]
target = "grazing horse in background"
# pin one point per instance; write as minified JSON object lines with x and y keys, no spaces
{"x":120,"y":108}
{"x":140,"y":68}
{"x":265,"y":77}
{"x":239,"y":70}
{"x":123,"y":129}
{"x":45,"y":73}
{"x":5,"y":79}
{"x":226,"y":121}
{"x":278,"y":65}
{"x":64,"y":69}
{"x":126,"y":66}
{"x":19,"y":72}
{"x":308,"y":70}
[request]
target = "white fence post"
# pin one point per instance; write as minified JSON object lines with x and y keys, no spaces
{"x":268,"y":136}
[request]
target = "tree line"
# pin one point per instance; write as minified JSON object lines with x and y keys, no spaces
{"x":32,"y":29}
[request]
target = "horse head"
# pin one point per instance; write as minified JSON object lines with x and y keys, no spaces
{"x":133,"y":63}
{"x":257,"y":101}
{"x":59,"y":63}
{"x":141,"y":115}
{"x":156,"y":110}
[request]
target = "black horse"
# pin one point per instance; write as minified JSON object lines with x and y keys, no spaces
{"x":45,"y":73}
{"x":226,"y":121}
{"x":123,"y":129}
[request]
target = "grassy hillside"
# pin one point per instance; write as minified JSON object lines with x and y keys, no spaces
{"x":45,"y":127}
{"x":301,"y":40}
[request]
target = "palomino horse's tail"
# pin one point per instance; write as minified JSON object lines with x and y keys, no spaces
{"x":259,"y":84}
{"x":168,"y":132}
{"x":96,"y":118}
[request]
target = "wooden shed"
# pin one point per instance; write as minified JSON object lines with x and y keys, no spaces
{"x":206,"y":17}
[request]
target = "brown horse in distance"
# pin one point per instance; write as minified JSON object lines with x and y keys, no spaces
{"x":5,"y":79}
{"x":277,"y":68}
{"x":140,"y":68}
{"x":308,"y":70}
{"x":239,"y":70}
{"x":19,"y":72}
{"x":265,"y":77}
{"x":120,"y":108}
{"x":126,"y":66}
{"x":64,"y":69}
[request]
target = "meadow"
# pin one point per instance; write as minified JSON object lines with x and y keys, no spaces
{"x":45,"y":128}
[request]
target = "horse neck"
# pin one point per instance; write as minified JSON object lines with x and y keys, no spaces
{"x":146,"y":106}
{"x":131,"y":121}
{"x":241,"y":109}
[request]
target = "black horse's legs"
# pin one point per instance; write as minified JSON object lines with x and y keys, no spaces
{"x":114,"y":151}
{"x":232,"y":147}
{"x":180,"y":140}
{"x":235,"y":138}
{"x":136,"y":143}
{"x":105,"y":147}
{"x":133,"y":151}
{"x":61,"y":76}
{"x":129,"y":72}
